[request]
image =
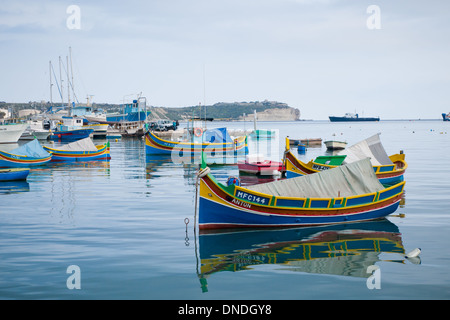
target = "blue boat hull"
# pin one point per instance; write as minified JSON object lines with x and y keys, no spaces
{"x":14,"y":175}
{"x":71,"y":135}
{"x":216,"y":214}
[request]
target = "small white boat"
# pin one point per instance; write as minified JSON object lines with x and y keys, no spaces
{"x":10,"y":133}
{"x":100,"y":129}
{"x":35,"y":130}
{"x":335,"y":145}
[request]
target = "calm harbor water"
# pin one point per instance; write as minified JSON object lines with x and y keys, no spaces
{"x":123,"y":223}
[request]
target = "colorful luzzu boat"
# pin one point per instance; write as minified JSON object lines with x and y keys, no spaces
{"x":81,"y":150}
{"x":14,"y":174}
{"x":224,"y":145}
{"x":29,"y":155}
{"x":388,"y":169}
{"x":343,"y":194}
{"x":71,"y":130}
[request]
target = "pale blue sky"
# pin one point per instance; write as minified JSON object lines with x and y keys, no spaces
{"x":318,"y":56}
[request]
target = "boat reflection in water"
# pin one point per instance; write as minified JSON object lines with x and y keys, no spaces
{"x":347,"y":249}
{"x":8,"y":187}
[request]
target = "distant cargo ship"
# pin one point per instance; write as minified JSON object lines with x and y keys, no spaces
{"x":446,"y":117}
{"x":353,"y":117}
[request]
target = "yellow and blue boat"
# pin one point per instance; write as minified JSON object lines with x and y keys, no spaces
{"x":81,"y":150}
{"x":213,"y":141}
{"x":14,"y":174}
{"x":347,"y":193}
{"x":388,"y":169}
{"x":29,"y":155}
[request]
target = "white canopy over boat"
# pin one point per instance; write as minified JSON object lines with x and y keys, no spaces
{"x":352,"y":179}
{"x":85,"y":144}
{"x":370,"y":148}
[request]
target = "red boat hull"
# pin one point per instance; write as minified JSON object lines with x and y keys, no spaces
{"x":264,"y":168}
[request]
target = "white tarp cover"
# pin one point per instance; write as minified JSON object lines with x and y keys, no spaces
{"x":85,"y":144}
{"x":347,"y":180}
{"x":370,"y":148}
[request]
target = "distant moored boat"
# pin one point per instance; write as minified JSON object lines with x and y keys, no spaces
{"x":446,"y":117}
{"x":352,"y":117}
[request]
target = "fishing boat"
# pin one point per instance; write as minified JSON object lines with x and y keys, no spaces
{"x":10,"y":133}
{"x":351,"y":117}
{"x":35,"y":130}
{"x":14,"y":174}
{"x":256,"y":164}
{"x":28,"y":155}
{"x":132,"y":120}
{"x":347,"y":193}
{"x":81,"y":150}
{"x":335,"y":145}
{"x":388,"y":169}
{"x":87,"y":112}
{"x":100,"y":129}
{"x":213,"y":141}
{"x":307,"y":142}
{"x":134,"y":111}
{"x":71,"y":129}
{"x":446,"y":116}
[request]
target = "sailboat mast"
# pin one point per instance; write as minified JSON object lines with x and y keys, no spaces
{"x":68,"y":86}
{"x":71,"y":72}
{"x":61,"y":80}
{"x":204,"y":92}
{"x":51,"y":84}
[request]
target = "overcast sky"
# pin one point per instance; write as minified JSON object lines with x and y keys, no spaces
{"x":323,"y":57}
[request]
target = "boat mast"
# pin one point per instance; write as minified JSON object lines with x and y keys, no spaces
{"x":68,"y":87}
{"x":71,"y":72}
{"x":61,"y":80}
{"x":51,"y":84}
{"x":204,"y":93}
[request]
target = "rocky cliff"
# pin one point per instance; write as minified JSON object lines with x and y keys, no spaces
{"x":232,"y":111}
{"x":275,"y":114}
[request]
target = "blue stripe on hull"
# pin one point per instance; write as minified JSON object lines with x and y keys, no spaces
{"x":181,"y":152}
{"x":213,"y":213}
{"x":290,"y":174}
{"x":11,"y":164}
{"x":71,"y":135}
{"x":391,"y":180}
{"x":151,"y":150}
{"x":58,"y":158}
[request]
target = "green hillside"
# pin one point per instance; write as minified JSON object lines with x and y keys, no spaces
{"x":222,"y":110}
